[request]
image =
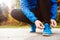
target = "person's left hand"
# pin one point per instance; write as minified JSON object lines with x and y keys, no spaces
{"x":53,"y":23}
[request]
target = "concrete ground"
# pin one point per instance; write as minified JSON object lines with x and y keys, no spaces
{"x":24,"y":34}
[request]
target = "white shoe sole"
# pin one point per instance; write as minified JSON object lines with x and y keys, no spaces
{"x":46,"y":34}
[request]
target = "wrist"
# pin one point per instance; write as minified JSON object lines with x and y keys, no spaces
{"x":52,"y":19}
{"x":37,"y":21}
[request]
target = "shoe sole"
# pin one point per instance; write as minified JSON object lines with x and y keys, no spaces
{"x":46,"y":34}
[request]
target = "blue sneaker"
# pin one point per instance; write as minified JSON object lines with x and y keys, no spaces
{"x":33,"y":28}
{"x":32,"y":31}
{"x":47,"y":29}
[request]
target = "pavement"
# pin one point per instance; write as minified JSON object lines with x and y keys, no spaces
{"x":24,"y":34}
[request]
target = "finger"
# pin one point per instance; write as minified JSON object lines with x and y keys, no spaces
{"x":40,"y":28}
{"x":42,"y":25}
{"x":54,"y":24}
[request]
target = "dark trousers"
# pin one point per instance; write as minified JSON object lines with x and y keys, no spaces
{"x":18,"y":15}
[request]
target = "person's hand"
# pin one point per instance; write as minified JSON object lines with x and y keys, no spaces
{"x":39,"y":24}
{"x":53,"y":23}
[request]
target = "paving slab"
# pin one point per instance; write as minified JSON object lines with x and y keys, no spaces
{"x":24,"y":34}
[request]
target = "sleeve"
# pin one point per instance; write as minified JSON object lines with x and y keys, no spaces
{"x":53,"y":9}
{"x":25,"y":8}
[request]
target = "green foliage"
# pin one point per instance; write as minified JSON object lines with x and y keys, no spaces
{"x":58,"y":18}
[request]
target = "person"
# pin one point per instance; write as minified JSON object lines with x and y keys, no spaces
{"x":41,"y":13}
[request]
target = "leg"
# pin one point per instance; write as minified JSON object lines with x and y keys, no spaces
{"x":19,"y":15}
{"x":33,"y":28}
{"x":47,"y":29}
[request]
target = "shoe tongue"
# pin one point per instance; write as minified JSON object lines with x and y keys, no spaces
{"x":47,"y":26}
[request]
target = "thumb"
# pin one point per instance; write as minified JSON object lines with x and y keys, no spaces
{"x":42,"y":26}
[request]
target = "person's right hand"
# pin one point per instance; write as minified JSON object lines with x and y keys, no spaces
{"x":39,"y":24}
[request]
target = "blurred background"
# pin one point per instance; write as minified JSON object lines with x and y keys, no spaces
{"x":6,"y":20}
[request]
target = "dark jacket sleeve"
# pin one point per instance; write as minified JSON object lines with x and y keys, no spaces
{"x":53,"y":9}
{"x":25,"y":8}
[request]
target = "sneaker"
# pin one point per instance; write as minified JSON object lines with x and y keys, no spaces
{"x":47,"y":30}
{"x":32,"y":31}
{"x":33,"y":28}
